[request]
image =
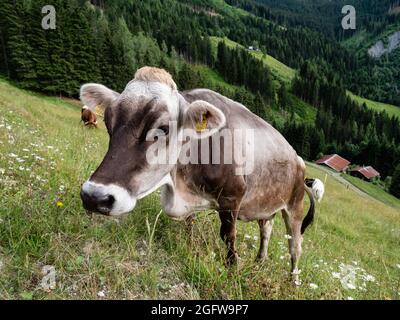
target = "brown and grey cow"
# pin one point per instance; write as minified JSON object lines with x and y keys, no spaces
{"x":141,"y":116}
{"x":88,"y":117}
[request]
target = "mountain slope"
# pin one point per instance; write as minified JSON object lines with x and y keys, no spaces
{"x":378,"y":76}
{"x":286,"y":74}
{"x":376,"y":79}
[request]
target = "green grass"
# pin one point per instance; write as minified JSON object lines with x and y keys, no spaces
{"x":280,"y":70}
{"x":213,"y":78}
{"x":46,"y":154}
{"x":227,"y":9}
{"x":377,"y":106}
{"x":374,"y":191}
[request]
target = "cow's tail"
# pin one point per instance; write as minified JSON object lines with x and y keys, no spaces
{"x":308,"y":219}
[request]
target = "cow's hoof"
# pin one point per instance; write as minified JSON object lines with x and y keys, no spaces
{"x":261,"y":258}
{"x":232,"y":260}
{"x":296,"y":279}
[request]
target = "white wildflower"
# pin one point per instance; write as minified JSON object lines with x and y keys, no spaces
{"x":287,"y":236}
{"x":350,"y":286}
{"x":369,"y":278}
{"x":101,"y":294}
{"x":313,"y":286}
{"x":49,"y":278}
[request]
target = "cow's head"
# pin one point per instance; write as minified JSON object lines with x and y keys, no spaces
{"x":136,"y":119}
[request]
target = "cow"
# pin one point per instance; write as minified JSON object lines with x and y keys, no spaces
{"x":88,"y":117}
{"x":142,"y":114}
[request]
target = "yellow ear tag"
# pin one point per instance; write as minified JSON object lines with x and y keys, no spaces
{"x":201,"y":126}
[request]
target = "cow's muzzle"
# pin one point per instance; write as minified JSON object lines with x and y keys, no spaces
{"x":106,"y":199}
{"x":97,"y":202}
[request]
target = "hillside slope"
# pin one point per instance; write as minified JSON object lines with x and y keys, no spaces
{"x":379,"y":56}
{"x":286,"y":74}
{"x":46,"y":154}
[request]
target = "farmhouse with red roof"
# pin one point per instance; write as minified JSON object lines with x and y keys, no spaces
{"x":365,"y":173}
{"x":334,"y":161}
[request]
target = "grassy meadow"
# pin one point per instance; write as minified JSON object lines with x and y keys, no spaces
{"x":374,"y":191}
{"x":280,"y":71}
{"x":352,"y":251}
{"x":377,"y":106}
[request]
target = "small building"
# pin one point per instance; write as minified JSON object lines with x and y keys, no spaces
{"x":365,"y":173}
{"x":334,"y":162}
{"x":252,"y":48}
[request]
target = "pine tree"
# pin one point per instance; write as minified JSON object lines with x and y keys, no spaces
{"x":395,"y":185}
{"x":187,"y":78}
{"x":283,"y":96}
{"x":6,"y":12}
{"x":23,"y":66}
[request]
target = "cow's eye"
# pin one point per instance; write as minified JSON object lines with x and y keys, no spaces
{"x":164,"y":129}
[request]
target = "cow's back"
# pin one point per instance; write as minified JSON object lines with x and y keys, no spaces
{"x":276,"y":167}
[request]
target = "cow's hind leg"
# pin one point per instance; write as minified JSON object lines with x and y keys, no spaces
{"x":293,"y":221}
{"x":265,"y":234}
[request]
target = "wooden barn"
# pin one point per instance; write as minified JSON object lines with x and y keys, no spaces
{"x":365,"y":173}
{"x":334,"y":162}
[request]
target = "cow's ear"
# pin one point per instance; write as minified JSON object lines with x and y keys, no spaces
{"x":202,"y":119}
{"x":93,"y":94}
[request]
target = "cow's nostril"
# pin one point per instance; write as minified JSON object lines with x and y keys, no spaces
{"x":110,"y":201}
{"x":95,"y":201}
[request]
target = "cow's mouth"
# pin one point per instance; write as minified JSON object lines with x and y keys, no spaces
{"x":165,"y":180}
{"x":114,"y":200}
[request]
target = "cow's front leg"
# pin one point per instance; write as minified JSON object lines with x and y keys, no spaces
{"x":228,"y":216}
